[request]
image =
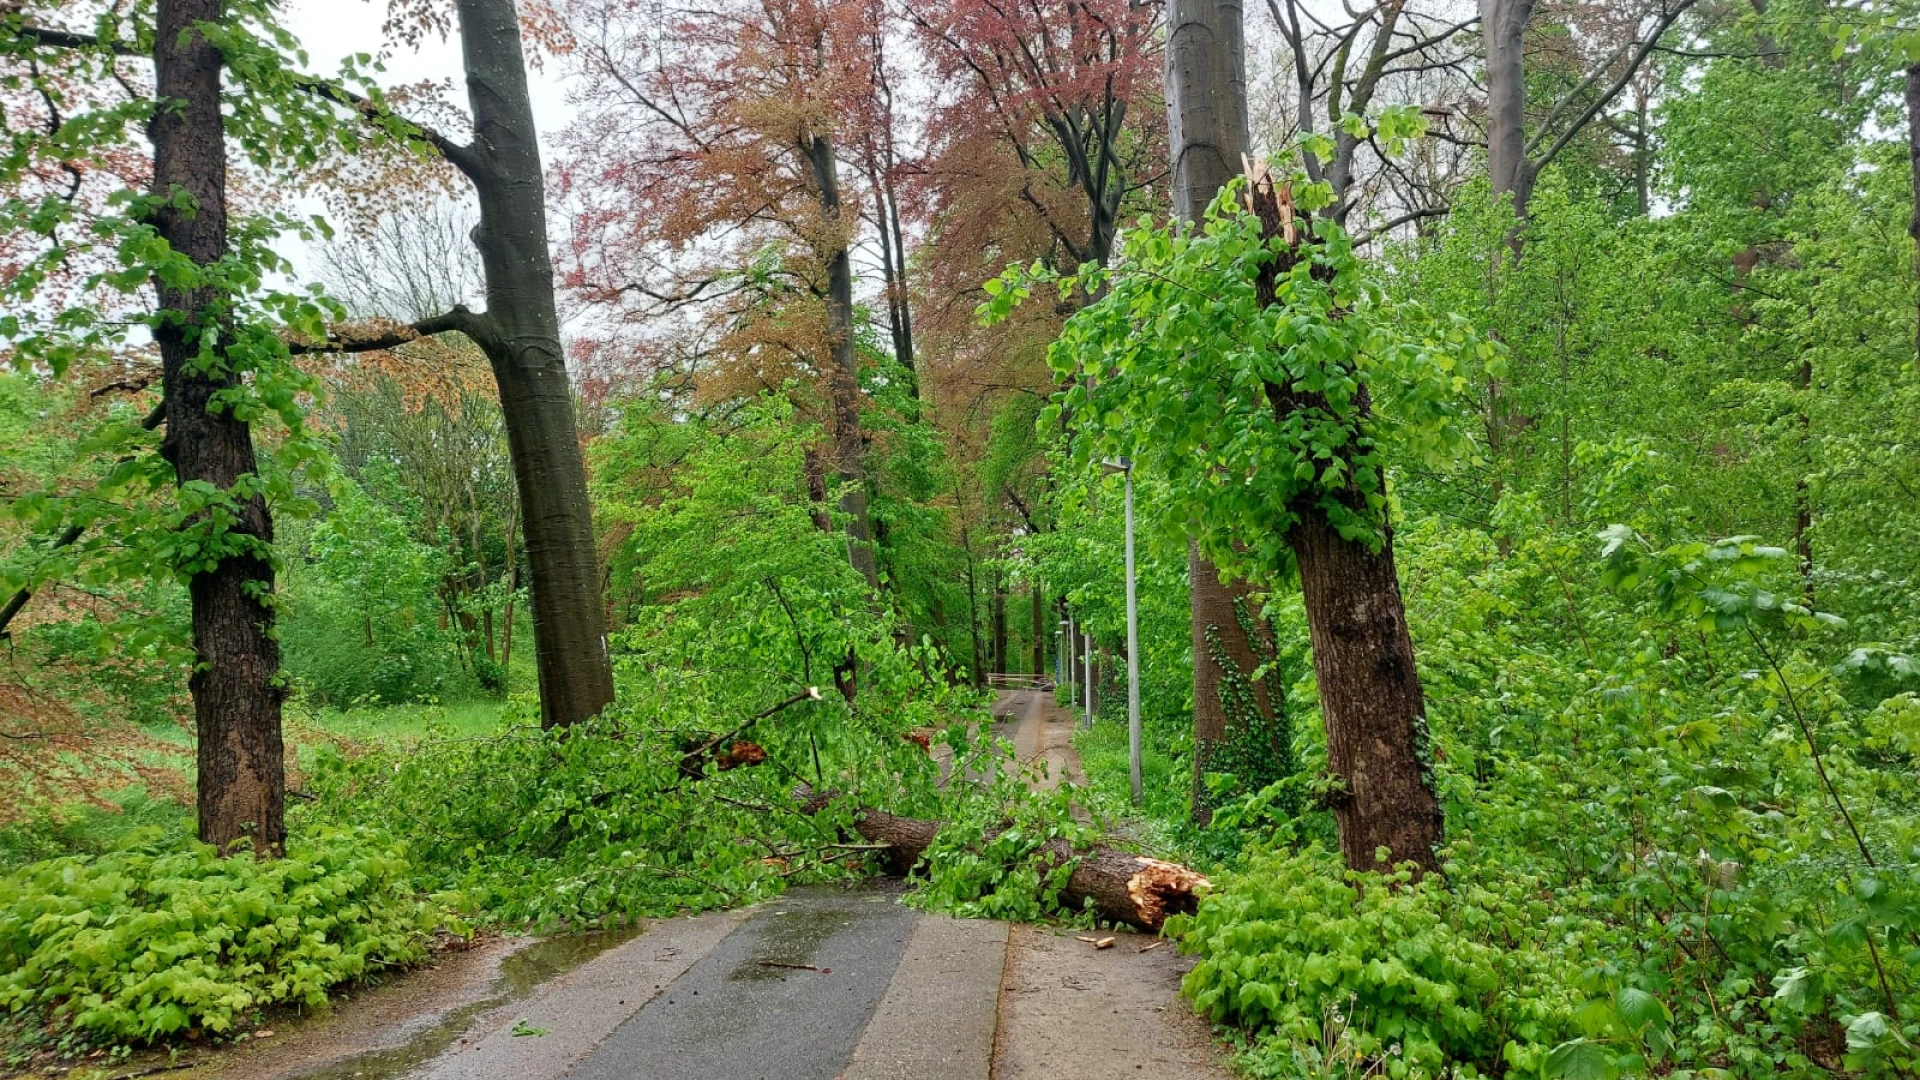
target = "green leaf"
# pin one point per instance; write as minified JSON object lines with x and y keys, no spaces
{"x":1580,"y":1059}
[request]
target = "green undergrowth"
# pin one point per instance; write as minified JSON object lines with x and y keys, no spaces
{"x":160,"y":937}
{"x":1691,"y":855}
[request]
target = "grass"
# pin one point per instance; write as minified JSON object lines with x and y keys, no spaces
{"x":389,"y":723}
{"x":84,"y":830}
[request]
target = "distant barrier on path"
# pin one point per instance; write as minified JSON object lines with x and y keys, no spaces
{"x":1003,"y":681}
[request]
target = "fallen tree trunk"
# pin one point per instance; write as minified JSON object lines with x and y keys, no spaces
{"x":1124,"y":887}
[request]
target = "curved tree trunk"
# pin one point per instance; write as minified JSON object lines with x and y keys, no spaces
{"x":235,"y":682}
{"x":520,"y":333}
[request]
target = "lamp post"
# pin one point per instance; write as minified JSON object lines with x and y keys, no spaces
{"x":1086,"y":693}
{"x":1070,"y":663}
{"x":1124,"y":466}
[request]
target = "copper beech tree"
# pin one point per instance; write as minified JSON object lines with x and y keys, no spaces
{"x":710,"y":175}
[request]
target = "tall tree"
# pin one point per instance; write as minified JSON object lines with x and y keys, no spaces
{"x":236,"y":687}
{"x":223,"y":546}
{"x":720,"y":146}
{"x":1515,"y":156}
{"x":520,"y":334}
{"x":1206,"y":89}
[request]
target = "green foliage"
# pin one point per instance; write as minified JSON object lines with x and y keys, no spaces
{"x":754,"y":608}
{"x":989,"y":860}
{"x":1430,"y":981}
{"x":362,"y":614}
{"x":1251,"y":411}
{"x":160,"y":938}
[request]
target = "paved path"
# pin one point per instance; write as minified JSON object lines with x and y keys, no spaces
{"x":835,"y":984}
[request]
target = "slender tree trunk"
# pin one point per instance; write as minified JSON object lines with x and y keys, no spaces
{"x":1802,"y":485}
{"x":1913,"y":160}
{"x":849,"y":446}
{"x":1206,"y":88}
{"x":999,"y":621}
{"x":1039,"y":629}
{"x":520,"y":334}
{"x":973,"y":613}
{"x":236,"y":677}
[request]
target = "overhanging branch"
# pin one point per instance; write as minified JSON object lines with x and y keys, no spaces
{"x":460,"y":319}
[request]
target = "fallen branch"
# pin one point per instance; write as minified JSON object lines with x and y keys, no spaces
{"x":695,"y":759}
{"x":1122,"y":886}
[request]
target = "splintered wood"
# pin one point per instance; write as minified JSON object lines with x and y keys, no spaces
{"x":1162,"y":888}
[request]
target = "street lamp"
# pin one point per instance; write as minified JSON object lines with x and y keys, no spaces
{"x":1086,"y":667}
{"x":1124,"y":466}
{"x":1067,"y":661}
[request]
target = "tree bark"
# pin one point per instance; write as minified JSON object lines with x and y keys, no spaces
{"x":1503,"y":26}
{"x":1370,"y":696}
{"x":999,"y":621}
{"x":236,"y":685}
{"x":1239,"y":724}
{"x":849,"y":447}
{"x":520,"y":334}
{"x":1206,"y":86}
{"x":1378,"y":747}
{"x":1039,"y":629}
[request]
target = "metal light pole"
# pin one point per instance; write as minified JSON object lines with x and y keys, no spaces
{"x":1124,"y":467}
{"x":1072,"y":665}
{"x":1086,"y":654}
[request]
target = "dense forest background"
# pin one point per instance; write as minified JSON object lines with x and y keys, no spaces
{"x":1609,"y":310}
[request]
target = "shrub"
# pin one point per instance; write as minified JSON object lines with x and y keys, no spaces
{"x":1417,"y":978}
{"x":148,"y":941}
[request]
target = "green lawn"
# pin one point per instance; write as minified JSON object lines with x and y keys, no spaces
{"x":84,"y":829}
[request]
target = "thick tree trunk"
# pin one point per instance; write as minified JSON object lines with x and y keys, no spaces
{"x":235,"y":681}
{"x":849,"y":447}
{"x":1377,"y":741}
{"x":520,"y":334}
{"x":1239,"y":723}
{"x":1503,"y":26}
{"x":1123,"y":887}
{"x":1378,"y":747}
{"x":1206,"y":88}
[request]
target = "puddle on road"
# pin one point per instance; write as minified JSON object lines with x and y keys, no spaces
{"x":789,"y":937}
{"x":521,"y":973}
{"x":345,"y":1043}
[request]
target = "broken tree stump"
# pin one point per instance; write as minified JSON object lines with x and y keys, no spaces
{"x":1124,"y":887}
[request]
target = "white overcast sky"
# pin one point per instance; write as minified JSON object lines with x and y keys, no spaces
{"x":331,"y":30}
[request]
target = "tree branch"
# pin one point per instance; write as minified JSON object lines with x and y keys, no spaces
{"x":1665,"y":22}
{"x":460,"y":318}
{"x":462,"y":156}
{"x":67,"y":39}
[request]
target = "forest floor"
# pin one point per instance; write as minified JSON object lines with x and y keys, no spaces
{"x":820,"y":983}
